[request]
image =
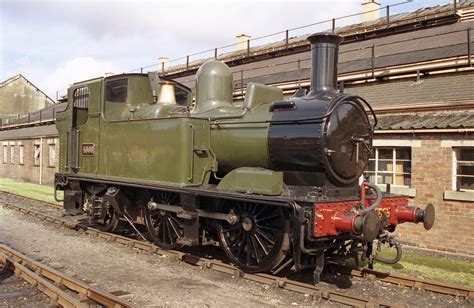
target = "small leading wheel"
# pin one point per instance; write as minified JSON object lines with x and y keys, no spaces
{"x":163,"y":227}
{"x":110,"y":221}
{"x":107,"y":220}
{"x":255,"y":243}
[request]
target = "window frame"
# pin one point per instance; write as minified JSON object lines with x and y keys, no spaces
{"x":52,"y":146}
{"x":80,"y":98}
{"x":36,"y":164}
{"x":12,"y":154}
{"x":5,"y":154}
{"x":393,"y":173}
{"x":21,"y":154}
{"x":455,"y":169}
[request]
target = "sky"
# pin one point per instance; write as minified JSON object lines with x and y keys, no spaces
{"x":55,"y":43}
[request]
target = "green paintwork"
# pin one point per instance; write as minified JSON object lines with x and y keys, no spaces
{"x":213,"y":86}
{"x":253,"y":181}
{"x":144,"y":140}
{"x":257,"y":94}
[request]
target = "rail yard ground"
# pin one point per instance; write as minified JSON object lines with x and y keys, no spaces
{"x":154,"y":280}
{"x":15,"y":292}
{"x":40,"y":192}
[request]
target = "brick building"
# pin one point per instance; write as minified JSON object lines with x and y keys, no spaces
{"x":416,"y":71}
{"x":30,"y":153}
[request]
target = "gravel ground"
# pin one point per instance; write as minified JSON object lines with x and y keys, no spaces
{"x":162,"y":281}
{"x":151,"y":280}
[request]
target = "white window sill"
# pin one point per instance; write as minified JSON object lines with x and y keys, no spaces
{"x":400,"y":190}
{"x":459,"y":195}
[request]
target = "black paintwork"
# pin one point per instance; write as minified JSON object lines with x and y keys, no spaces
{"x":321,"y":134}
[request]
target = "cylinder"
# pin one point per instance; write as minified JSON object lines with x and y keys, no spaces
{"x":324,"y":52}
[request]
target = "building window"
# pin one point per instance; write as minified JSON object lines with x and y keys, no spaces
{"x":80,"y":98}
{"x":52,"y":155}
{"x":5,"y":154}
{"x":37,"y":155}
{"x":390,"y":166}
{"x":463,"y":169}
{"x":21,"y":154}
{"x":12,"y":154}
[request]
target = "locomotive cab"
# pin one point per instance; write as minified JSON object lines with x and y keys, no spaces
{"x":139,"y":96}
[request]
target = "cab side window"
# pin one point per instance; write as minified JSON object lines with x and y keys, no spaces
{"x":116,"y":95}
{"x":116,"y":90}
{"x":80,"y":102}
{"x":81,"y":98}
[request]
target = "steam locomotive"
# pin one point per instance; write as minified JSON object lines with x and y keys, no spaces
{"x":274,"y":182}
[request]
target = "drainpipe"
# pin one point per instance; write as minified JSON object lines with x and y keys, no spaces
{"x":41,"y":162}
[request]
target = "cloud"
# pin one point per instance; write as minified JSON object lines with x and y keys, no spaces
{"x":54,"y":43}
{"x":75,"y":70}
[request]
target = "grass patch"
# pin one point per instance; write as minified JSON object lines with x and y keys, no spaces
{"x":40,"y":192}
{"x":432,"y":267}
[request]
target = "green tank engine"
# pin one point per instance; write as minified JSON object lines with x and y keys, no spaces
{"x":270,"y":180}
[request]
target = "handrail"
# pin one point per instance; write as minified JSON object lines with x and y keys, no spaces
{"x":18,"y":121}
{"x":388,"y":23}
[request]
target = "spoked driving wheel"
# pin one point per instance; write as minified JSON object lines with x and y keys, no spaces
{"x":163,"y":227}
{"x":255,"y":243}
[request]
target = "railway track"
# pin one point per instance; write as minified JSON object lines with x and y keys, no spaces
{"x":315,"y":291}
{"x":63,"y":290}
{"x":40,"y":202}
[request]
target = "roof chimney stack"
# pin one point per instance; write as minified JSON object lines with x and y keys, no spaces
{"x":163,"y":64}
{"x":242,"y":42}
{"x":370,"y":10}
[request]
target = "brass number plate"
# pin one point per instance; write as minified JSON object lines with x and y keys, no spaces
{"x":88,"y":149}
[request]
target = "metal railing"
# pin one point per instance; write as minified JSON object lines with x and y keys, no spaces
{"x":374,"y":52}
{"x":42,"y":116}
{"x":374,"y":57}
{"x":184,"y":63}
{"x":328,"y":24}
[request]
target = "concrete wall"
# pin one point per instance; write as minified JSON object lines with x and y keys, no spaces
{"x":19,"y":96}
{"x":42,"y":172}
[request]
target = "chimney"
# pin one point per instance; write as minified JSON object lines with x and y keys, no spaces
{"x":242,"y":42}
{"x":324,"y":52}
{"x":108,"y":74}
{"x":163,"y":64}
{"x":370,"y":10}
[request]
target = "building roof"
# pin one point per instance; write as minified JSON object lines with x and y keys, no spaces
{"x":426,"y":121}
{"x":434,"y":16}
{"x":29,"y":132}
{"x":407,"y":48}
{"x":20,"y":76}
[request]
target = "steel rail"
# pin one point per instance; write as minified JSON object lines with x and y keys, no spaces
{"x":406,"y":281}
{"x":314,"y":292}
{"x":46,"y":203}
{"x":387,"y":277}
{"x":55,"y":284}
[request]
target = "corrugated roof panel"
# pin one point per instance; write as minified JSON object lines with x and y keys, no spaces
{"x":426,"y":121}
{"x":28,"y":132}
